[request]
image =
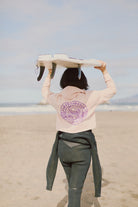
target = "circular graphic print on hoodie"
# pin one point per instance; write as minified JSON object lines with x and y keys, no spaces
{"x":73,"y":112}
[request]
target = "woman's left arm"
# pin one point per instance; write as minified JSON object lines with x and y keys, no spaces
{"x":110,"y":91}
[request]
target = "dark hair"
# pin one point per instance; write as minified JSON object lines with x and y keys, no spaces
{"x":70,"y":78}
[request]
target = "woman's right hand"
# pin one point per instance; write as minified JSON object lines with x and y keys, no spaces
{"x":102,"y":67}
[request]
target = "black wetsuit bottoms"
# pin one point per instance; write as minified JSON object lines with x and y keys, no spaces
{"x":75,"y":161}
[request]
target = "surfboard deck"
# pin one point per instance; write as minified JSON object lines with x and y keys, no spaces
{"x":65,"y":61}
{"x":47,"y":61}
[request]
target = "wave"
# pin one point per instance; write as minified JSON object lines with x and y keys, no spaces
{"x":28,"y":109}
{"x":117,"y":107}
{"x":17,"y":109}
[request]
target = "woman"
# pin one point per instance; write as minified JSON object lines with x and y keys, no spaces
{"x":75,"y":143}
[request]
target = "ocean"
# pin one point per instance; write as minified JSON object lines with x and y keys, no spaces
{"x":32,"y":108}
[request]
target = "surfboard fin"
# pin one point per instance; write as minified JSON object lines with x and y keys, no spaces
{"x":42,"y":69}
{"x":54,"y":65}
{"x":79,"y":72}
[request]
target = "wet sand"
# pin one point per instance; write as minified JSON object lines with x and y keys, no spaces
{"x":25,"y":146}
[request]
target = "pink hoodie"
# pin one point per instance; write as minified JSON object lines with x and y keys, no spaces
{"x":76,"y":107}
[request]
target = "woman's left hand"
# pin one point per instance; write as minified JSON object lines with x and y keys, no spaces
{"x":50,"y":71}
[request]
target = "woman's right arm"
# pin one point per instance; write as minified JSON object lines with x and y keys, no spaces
{"x":48,"y":96}
{"x":46,"y":87}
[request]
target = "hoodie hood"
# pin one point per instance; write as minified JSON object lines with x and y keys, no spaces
{"x":71,"y":92}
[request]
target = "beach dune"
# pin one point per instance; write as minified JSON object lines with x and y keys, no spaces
{"x":25,"y":146}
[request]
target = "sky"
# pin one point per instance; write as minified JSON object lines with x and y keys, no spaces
{"x":105,"y":30}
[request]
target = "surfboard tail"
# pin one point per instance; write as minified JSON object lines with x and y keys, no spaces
{"x":42,"y":69}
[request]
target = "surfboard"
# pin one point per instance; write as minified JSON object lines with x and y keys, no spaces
{"x":47,"y":61}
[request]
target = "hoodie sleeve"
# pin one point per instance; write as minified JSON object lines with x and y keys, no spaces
{"x":103,"y":96}
{"x":48,"y":96}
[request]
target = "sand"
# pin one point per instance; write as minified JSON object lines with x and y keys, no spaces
{"x":25,"y":146}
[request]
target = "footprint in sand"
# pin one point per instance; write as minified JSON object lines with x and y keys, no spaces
{"x":35,"y":198}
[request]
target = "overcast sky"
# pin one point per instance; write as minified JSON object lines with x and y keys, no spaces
{"x":106,"y":30}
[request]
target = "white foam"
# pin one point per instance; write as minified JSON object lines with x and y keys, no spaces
{"x":117,"y":108}
{"x":37,"y":109}
{"x":26,"y":109}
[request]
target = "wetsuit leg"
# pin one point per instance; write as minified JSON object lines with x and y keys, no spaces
{"x":64,"y":156}
{"x":76,"y":162}
{"x":79,"y":169}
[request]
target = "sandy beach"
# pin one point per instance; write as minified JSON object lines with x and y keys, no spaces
{"x":25,"y":146}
